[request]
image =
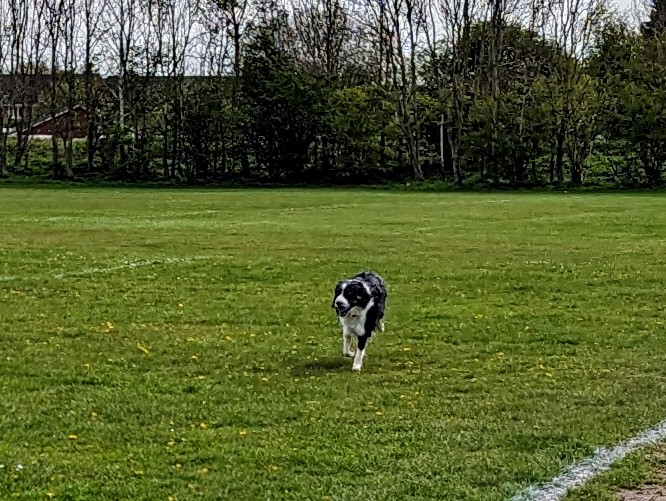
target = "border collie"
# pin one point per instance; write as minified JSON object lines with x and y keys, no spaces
{"x":359,"y":303}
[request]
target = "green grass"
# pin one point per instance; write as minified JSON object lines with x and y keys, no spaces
{"x":522,"y":332}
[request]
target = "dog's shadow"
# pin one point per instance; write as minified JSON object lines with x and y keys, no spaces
{"x":320,"y":366}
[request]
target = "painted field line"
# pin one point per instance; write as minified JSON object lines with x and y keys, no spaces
{"x":580,"y":473}
{"x":108,"y":269}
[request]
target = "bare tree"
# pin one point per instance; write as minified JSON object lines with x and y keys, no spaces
{"x":456,"y":18}
{"x":376,"y":29}
{"x":25,"y":61}
{"x":181,"y":17}
{"x":407,"y":25}
{"x":324,"y":44}
{"x":497,"y":22}
{"x":70,"y":83}
{"x":236,"y":20}
{"x":323,"y":32}
{"x":119,"y":26}
{"x":570,"y":24}
{"x":6,"y":36}
{"x":93,"y":11}
{"x":55,"y":14}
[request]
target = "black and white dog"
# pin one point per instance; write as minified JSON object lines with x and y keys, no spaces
{"x":359,"y":303}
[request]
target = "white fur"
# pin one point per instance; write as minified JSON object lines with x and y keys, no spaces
{"x":353,"y":325}
{"x":347,"y":350}
{"x":358,"y":360}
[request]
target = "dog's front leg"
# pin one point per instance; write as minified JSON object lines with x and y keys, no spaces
{"x":360,"y":352}
{"x":347,"y":344}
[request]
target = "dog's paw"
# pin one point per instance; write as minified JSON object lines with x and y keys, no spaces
{"x":381,"y":326}
{"x":349,"y":354}
{"x":356,"y":367}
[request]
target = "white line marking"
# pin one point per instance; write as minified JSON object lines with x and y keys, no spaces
{"x":578,"y":474}
{"x":124,"y":265}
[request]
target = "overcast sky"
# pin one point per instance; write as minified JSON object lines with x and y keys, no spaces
{"x":636,"y":10}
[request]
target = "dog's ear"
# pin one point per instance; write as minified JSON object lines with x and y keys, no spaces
{"x":336,"y":293}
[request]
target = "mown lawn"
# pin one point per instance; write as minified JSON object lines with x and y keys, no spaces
{"x":522,"y":331}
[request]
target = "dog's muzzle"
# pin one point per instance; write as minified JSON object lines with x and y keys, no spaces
{"x":341,"y":308}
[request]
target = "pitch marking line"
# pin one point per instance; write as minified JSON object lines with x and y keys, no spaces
{"x":125,"y":265}
{"x":578,"y":474}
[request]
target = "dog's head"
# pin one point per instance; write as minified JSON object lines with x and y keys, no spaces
{"x":350,"y":294}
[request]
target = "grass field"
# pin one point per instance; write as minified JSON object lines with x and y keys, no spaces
{"x":164,"y":344}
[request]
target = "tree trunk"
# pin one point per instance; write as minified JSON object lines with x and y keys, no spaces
{"x":4,"y":171}
{"x":576,"y":174}
{"x":442,"y":160}
{"x":559,"y":154}
{"x":457,"y":171}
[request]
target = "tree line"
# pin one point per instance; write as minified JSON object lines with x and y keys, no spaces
{"x":513,"y":92}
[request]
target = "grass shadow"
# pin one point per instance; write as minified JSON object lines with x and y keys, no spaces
{"x":321,"y":366}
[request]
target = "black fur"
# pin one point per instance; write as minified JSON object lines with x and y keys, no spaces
{"x":357,"y":295}
{"x":367,"y":291}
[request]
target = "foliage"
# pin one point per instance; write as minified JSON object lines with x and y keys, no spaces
{"x":631,"y":69}
{"x":294,"y":110}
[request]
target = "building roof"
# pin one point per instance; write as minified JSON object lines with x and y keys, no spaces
{"x":22,"y":87}
{"x":50,"y":117}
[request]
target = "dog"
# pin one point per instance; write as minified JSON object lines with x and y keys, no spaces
{"x":359,"y":303}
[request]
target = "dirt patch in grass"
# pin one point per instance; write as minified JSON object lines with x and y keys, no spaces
{"x":655,"y":489}
{"x":645,"y":493}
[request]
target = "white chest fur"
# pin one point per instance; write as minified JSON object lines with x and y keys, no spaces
{"x":354,"y":323}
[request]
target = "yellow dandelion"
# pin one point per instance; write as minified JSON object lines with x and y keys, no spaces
{"x":181,"y":305}
{"x":110,"y":327}
{"x":71,"y":436}
{"x":242,"y":433}
{"x":194,"y":358}
{"x":203,"y":426}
